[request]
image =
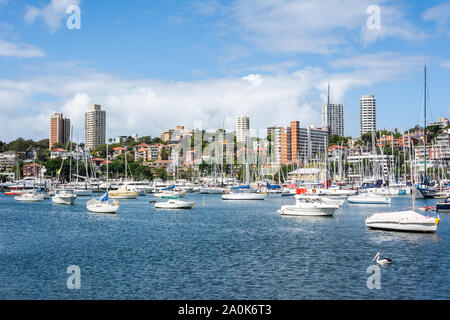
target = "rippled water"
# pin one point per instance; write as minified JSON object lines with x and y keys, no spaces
{"x":222,"y":250}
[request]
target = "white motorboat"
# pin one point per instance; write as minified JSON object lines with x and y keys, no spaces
{"x":103,"y":205}
{"x":309,"y":206}
{"x":30,"y":196}
{"x":174,"y":204}
{"x":243,"y":196}
{"x":64,"y":197}
{"x":212,"y":190}
{"x":169,"y":194}
{"x":409,"y":221}
{"x":331,"y":200}
{"x":369,"y":198}
{"x":332,"y":192}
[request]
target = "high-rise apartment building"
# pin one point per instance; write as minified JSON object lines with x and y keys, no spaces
{"x":242,"y":129}
{"x":293,"y":145}
{"x":333,"y":118}
{"x":95,"y":127}
{"x":368,"y":114}
{"x":59,"y":129}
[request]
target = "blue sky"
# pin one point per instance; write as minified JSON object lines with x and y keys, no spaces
{"x":156,"y":64}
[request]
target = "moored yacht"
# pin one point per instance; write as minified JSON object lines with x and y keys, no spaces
{"x":64,"y":197}
{"x":174,"y":204}
{"x":103,"y":204}
{"x":306,"y":205}
{"x":369,"y":198}
{"x":409,"y":221}
{"x":30,"y":196}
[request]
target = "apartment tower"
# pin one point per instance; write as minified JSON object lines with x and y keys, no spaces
{"x":368,"y":114}
{"x":242,"y":129}
{"x":95,"y":127}
{"x":59,"y":129}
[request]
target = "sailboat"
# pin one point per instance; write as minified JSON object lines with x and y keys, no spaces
{"x":408,"y":221}
{"x":124,"y":192}
{"x":104,"y":204}
{"x":424,"y":188}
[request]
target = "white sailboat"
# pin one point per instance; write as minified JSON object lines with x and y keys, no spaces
{"x":124,"y":192}
{"x":408,"y":221}
{"x":103,"y":204}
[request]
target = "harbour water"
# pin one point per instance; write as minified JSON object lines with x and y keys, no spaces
{"x":219,"y":250}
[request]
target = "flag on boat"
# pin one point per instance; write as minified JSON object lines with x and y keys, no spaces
{"x":59,"y":171}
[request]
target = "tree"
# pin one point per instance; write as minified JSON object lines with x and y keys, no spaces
{"x":164,"y":154}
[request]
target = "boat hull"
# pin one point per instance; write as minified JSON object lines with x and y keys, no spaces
{"x":295,"y":211}
{"x":403,"y":227}
{"x":66,"y":200}
{"x":242,"y":196}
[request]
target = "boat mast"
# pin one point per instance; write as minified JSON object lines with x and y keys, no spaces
{"x":425,"y":125}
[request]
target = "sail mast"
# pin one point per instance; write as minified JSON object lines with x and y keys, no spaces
{"x":425,"y":125}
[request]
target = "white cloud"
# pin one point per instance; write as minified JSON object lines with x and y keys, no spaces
{"x":439,"y":14}
{"x":52,"y":14}
{"x":20,"y":50}
{"x":322,"y":27}
{"x":147,"y":106}
{"x":445,"y":64}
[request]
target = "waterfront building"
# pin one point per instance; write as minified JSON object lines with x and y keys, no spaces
{"x":442,"y":123}
{"x":59,"y":129}
{"x":368,"y":114}
{"x":32,"y":170}
{"x":293,"y":144}
{"x":174,"y":136}
{"x":242,"y":129}
{"x":95,"y":127}
{"x":333,"y":118}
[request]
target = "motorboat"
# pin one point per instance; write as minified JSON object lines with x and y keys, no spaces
{"x":124,"y":193}
{"x":408,"y":221}
{"x":211,"y":190}
{"x":243,"y":196}
{"x":331,"y":200}
{"x":174,"y":204}
{"x":369,"y":198}
{"x":64,"y":197}
{"x":103,"y":204}
{"x":30,"y":196}
{"x":443,"y":206}
{"x":306,"y":205}
{"x":169,"y":194}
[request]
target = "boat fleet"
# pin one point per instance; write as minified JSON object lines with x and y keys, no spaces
{"x":318,"y":201}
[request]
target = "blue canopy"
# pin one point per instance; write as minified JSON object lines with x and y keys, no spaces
{"x":273,"y":186}
{"x":169,"y":188}
{"x":242,"y":187}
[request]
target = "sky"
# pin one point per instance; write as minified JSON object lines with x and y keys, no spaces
{"x":153,"y":65}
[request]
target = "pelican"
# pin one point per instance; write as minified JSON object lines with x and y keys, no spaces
{"x":382,"y":261}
